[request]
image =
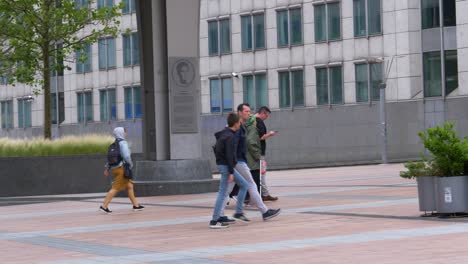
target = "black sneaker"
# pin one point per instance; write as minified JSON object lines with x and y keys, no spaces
{"x":227,"y":220}
{"x":271,"y":213}
{"x":138,"y":208}
{"x":105,"y":210}
{"x":241,"y":217}
{"x":218,"y":225}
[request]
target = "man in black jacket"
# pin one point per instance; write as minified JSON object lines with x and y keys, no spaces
{"x":262,"y":114}
{"x":225,"y":152}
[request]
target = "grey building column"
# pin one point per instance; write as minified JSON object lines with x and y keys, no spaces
{"x":169,"y":52}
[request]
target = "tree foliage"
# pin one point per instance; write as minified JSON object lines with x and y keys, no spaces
{"x":37,"y":35}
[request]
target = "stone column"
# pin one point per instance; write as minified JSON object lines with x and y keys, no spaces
{"x":169,"y":37}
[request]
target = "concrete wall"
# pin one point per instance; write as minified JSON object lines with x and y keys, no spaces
{"x":340,"y":135}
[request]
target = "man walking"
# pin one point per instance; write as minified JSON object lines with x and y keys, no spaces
{"x":243,"y":111}
{"x":262,"y":114}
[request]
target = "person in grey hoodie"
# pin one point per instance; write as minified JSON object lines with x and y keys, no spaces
{"x":120,"y":182}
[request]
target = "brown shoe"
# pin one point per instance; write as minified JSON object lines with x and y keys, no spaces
{"x":269,"y":198}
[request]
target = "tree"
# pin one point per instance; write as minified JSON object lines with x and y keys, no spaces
{"x":36,"y":35}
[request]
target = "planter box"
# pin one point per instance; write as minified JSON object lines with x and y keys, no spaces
{"x":452,"y":194}
{"x":427,"y":193}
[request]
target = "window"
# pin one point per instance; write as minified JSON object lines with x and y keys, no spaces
{"x":85,"y":107}
{"x":61,"y":107}
{"x":289,"y":27}
{"x":432,"y":73}
{"x":24,"y":113}
{"x":108,"y":106}
{"x":132,"y":102}
{"x":291,"y":88}
{"x":7,"y":114}
{"x":329,"y":85}
{"x":56,"y":59}
{"x":327,"y":22}
{"x":253,"y":24}
{"x":221,"y":95}
{"x":366,"y":86}
{"x":367,"y":17}
{"x":104,"y":3}
{"x":106,"y":53}
{"x":131,"y":49}
{"x":83,"y":59}
{"x":255,"y":90}
{"x":430,"y":13}
{"x":219,"y":37}
{"x":129,"y":6}
{"x":81,"y":3}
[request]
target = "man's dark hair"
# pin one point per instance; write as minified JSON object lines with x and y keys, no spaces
{"x":232,"y":119}
{"x":241,"y":106}
{"x":264,"y":109}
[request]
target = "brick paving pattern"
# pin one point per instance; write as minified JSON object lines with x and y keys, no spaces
{"x":357,"y":214}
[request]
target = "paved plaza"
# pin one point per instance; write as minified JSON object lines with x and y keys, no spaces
{"x":358,"y":214}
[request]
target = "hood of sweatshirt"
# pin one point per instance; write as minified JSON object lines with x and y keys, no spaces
{"x":119,"y":132}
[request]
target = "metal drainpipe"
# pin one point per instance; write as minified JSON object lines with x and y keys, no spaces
{"x":442,"y":47}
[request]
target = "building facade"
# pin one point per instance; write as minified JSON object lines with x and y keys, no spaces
{"x":317,"y":64}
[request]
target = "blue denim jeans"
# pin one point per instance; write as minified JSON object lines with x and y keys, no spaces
{"x":223,"y":190}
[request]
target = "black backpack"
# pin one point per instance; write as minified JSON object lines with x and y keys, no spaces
{"x":113,"y":153}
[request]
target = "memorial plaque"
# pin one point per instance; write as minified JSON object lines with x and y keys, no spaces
{"x":183,"y":86}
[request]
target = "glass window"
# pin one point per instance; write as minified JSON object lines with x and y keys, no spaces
{"x":104,"y":3}
{"x":7,"y":114}
{"x":372,"y":17}
{"x":322,"y":85}
{"x":221,"y":95}
{"x":366,"y":86}
{"x":259,"y":30}
{"x":225,"y":36}
{"x":24,"y":113}
{"x":61,"y":107}
{"x":282,"y":28}
{"x":81,"y":3}
{"x":253,"y":32}
{"x":284,"y":93}
{"x":334,"y":21}
{"x":296,"y":26}
{"x":327,"y":22}
{"x":451,"y":71}
{"x":320,"y":23}
{"x":131,"y":51}
{"x":83,"y":59}
{"x":215,"y":96}
{"x":297,"y":80}
{"x":291,"y":88}
{"x":246,"y":31}
{"x":132,"y":102}
{"x":129,"y":6}
{"x":359,"y":8}
{"x":432,"y":74}
{"x":336,"y":83}
{"x":450,"y":14}
{"x":56,"y":59}
{"x":108,"y":105}
{"x":85,"y":106}
{"x":249,"y":90}
{"x":362,"y":94}
{"x":255,"y":90}
{"x":430,"y":13}
{"x":213,"y":37}
{"x":329,"y":85}
{"x":376,"y":80}
{"x":106,"y":53}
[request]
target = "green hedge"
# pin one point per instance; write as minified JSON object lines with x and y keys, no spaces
{"x":69,"y":145}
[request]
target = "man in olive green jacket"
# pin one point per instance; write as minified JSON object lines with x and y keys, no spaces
{"x":254,"y":150}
